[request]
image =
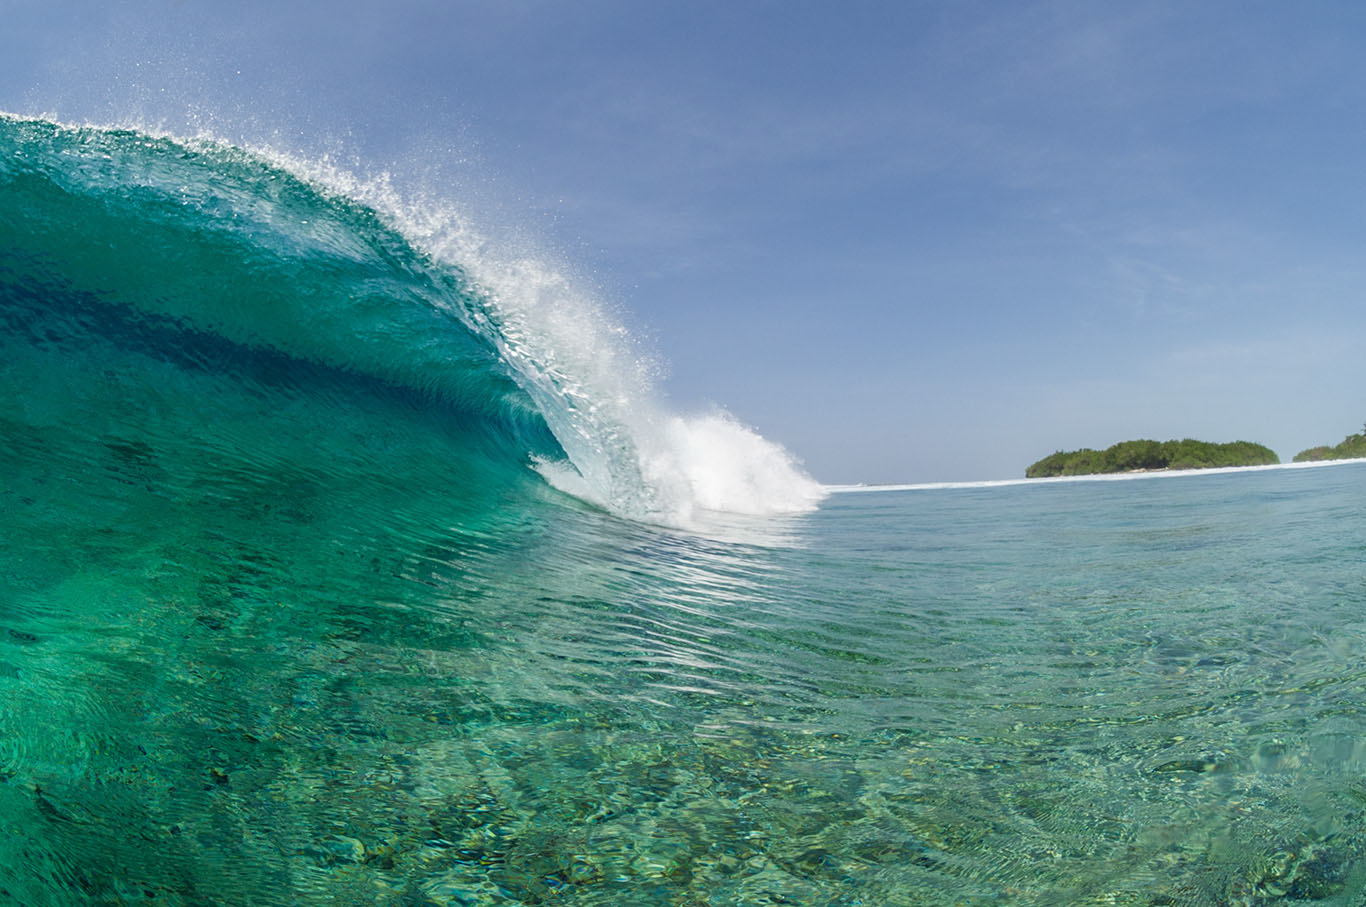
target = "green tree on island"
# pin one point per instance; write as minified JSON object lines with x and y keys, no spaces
{"x":1133,"y":456}
{"x":1353,"y":447}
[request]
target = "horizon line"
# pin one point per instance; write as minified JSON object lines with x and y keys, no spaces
{"x":1091,"y":477}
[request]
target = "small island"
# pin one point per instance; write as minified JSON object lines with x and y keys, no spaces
{"x":1144,"y":455}
{"x":1353,"y":447}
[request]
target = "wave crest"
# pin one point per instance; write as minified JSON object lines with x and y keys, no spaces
{"x":305,"y":258}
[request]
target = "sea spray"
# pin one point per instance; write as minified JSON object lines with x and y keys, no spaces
{"x":597,"y":390}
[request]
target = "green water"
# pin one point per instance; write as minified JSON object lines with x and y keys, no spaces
{"x":240,"y":682}
{"x":289,"y":616}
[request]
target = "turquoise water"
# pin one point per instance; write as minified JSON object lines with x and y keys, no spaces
{"x":292,"y":612}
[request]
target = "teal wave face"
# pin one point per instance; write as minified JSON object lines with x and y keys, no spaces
{"x":211,"y":258}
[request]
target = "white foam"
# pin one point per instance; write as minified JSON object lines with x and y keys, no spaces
{"x":729,"y":468}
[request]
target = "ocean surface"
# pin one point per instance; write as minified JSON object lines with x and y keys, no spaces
{"x":348,"y":562}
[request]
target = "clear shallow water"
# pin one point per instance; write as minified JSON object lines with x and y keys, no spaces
{"x":1148,"y":693}
{"x":287,"y":619}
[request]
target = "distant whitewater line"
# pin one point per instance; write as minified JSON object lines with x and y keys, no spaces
{"x":1097,"y":477}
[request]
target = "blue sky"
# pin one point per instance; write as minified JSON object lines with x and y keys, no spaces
{"x":910,"y":241}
